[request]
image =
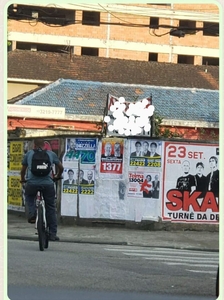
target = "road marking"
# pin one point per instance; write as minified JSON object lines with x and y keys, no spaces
{"x":205,"y":261}
{"x":170,"y":257}
{"x":200,"y":271}
{"x":187,"y":264}
{"x":174,"y":252}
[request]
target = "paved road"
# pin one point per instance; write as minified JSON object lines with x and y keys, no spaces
{"x":67,"y":270}
{"x":190,"y":261}
{"x":37,"y":293}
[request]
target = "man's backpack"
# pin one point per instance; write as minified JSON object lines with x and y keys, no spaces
{"x":41,"y":164}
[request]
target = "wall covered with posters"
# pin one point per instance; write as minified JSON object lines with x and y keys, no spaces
{"x":141,"y":179}
{"x":15,"y":151}
{"x":129,"y":179}
{"x":78,"y":184}
{"x":125,"y":174}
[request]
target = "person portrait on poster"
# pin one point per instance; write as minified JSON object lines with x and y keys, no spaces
{"x":200,"y":179}
{"x":138,"y":151}
{"x":117,"y":150}
{"x":81,"y":180}
{"x":213,"y":176}
{"x":71,"y":150}
{"x":90,"y":177}
{"x":153,"y":149}
{"x":107,"y":150}
{"x":186,"y":182}
{"x":146,"y":187}
{"x":155,"y":187}
{"x":71,"y":145}
{"x":70,"y":179}
{"x":146,"y":151}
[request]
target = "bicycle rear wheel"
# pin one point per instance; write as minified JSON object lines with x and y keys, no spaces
{"x":46,"y":239}
{"x":41,"y":229}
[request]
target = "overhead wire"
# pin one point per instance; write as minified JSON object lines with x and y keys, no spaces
{"x":67,"y":22}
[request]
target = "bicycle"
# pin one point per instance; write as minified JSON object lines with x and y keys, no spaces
{"x":41,"y":221}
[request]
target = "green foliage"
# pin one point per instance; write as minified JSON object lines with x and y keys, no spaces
{"x":159,"y":132}
{"x":208,"y":135}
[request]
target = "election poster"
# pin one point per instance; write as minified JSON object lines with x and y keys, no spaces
{"x":191,"y":183}
{"x":82,"y":182}
{"x":112,"y":156}
{"x":16,"y":151}
{"x":78,"y":175}
{"x":82,"y":148}
{"x":144,"y":184}
{"x":145,"y":153}
{"x":14,"y":191}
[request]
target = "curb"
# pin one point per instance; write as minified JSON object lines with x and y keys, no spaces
{"x":78,"y":241}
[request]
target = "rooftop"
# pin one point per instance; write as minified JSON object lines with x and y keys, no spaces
{"x":50,"y":66}
{"x":89,"y":98}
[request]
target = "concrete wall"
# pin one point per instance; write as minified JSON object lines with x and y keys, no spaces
{"x":116,"y":194}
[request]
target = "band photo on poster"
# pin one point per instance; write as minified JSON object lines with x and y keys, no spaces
{"x":191,"y":182}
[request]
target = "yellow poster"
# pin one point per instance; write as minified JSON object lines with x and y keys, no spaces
{"x":14,"y":191}
{"x":15,"y":155}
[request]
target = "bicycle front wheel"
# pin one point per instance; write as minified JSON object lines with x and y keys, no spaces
{"x":41,"y":229}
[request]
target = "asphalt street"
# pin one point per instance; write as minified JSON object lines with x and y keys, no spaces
{"x":109,"y":270}
{"x":163,"y":251}
{"x":36,"y":293}
{"x":19,"y":228}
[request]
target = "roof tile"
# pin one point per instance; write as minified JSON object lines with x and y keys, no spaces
{"x":52,"y":66}
{"x":170,"y":102}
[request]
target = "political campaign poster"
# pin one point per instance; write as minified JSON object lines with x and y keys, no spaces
{"x":145,"y":153}
{"x":80,"y":148}
{"x":112,"y":156}
{"x":144,"y":184}
{"x":78,"y":175}
{"x":15,"y":152}
{"x":84,"y":181}
{"x":14,"y":192}
{"x":191,"y":183}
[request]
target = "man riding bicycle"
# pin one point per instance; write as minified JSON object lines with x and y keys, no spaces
{"x":45,"y":181}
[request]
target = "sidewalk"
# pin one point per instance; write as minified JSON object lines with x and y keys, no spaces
{"x":19,"y":228}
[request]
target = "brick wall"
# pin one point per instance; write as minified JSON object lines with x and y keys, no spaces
{"x":143,"y":35}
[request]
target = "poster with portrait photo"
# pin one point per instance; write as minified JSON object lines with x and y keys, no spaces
{"x":80,"y":148}
{"x":144,"y":184}
{"x":112,"y":156}
{"x":74,"y":184}
{"x":191,"y":183}
{"x":145,"y":153}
